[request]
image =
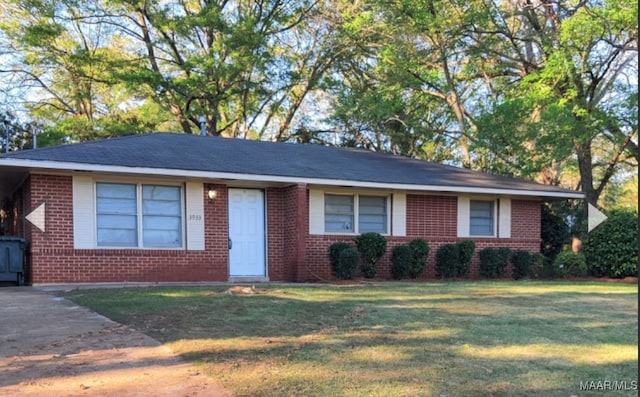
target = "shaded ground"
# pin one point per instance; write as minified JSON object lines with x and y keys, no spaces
{"x":49,"y":346}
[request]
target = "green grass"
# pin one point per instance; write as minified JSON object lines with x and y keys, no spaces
{"x":395,"y":339}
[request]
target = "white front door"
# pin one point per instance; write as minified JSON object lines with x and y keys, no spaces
{"x":246,"y":233}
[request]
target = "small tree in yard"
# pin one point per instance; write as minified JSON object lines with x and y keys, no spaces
{"x":371,"y":246}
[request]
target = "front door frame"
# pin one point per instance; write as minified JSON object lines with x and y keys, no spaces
{"x":249,"y":277}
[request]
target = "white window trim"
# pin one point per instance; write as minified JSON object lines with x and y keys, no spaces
{"x":504,"y":218}
{"x":399,"y":214}
{"x":501,"y":216}
{"x":140,"y":236}
{"x":316,"y":211}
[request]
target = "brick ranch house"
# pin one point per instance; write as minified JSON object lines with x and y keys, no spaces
{"x":176,"y":207}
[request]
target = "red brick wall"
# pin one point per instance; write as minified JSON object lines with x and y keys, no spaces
{"x":434,"y":219}
{"x":432,"y":216}
{"x":54,"y":260}
{"x":287,"y":228}
{"x":293,"y":254}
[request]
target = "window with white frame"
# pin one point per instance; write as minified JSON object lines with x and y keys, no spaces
{"x":355,"y":214}
{"x":138,"y":215}
{"x":482,"y":218}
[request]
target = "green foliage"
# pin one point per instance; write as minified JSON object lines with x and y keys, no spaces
{"x":371,"y":246}
{"x":521,"y":261}
{"x":401,"y":260}
{"x":494,"y":261}
{"x":611,"y":249}
{"x":419,"y":251}
{"x":541,"y":267}
{"x":571,"y":264}
{"x":231,"y":62}
{"x":347,"y":263}
{"x":466,"y":248}
{"x":554,"y":233}
{"x":337,"y":267}
{"x":254,"y":68}
{"x":447,"y":261}
{"x":409,"y":260}
{"x":454,"y":260}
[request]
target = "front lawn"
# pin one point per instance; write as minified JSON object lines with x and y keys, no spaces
{"x":395,"y":339}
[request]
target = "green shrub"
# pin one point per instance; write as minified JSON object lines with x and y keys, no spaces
{"x":521,"y":261}
{"x":571,"y":264}
{"x":338,"y":268}
{"x":543,"y":267}
{"x":334,"y":253}
{"x":419,"y":252}
{"x":466,"y":250}
{"x":371,"y":246}
{"x":494,"y":261}
{"x":348,"y":263}
{"x":611,"y":249}
{"x":401,"y":260}
{"x":447,"y":260}
{"x":555,"y":232}
{"x":536,"y":269}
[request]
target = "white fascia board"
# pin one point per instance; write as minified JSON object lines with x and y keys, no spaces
{"x":193,"y":174}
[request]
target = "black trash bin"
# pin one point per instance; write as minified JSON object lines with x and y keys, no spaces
{"x":12,"y":259}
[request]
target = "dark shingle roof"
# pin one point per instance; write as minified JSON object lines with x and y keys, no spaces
{"x":236,"y":156}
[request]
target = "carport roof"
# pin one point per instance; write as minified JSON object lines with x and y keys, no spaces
{"x":223,"y":158}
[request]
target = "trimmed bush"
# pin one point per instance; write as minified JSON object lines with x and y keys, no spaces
{"x":371,"y":246}
{"x":447,"y":261}
{"x":401,"y":261}
{"x":541,"y":267}
{"x":419,"y":252}
{"x":521,"y":261}
{"x":466,"y":250}
{"x":348,"y":263}
{"x":338,"y":268}
{"x":571,"y":264}
{"x":334,"y":254}
{"x":611,"y":249}
{"x":494,"y":261}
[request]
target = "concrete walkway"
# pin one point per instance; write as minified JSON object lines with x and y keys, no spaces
{"x":52,"y":347}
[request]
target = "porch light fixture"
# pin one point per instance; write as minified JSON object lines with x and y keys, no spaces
{"x":212,"y":195}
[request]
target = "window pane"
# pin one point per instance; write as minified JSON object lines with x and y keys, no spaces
{"x":338,"y":213}
{"x":372,"y":214}
{"x":117,"y":238}
{"x":161,"y":216}
{"x":481,"y":221}
{"x":116,"y":215}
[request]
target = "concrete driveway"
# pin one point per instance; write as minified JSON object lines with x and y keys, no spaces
{"x":52,"y":347}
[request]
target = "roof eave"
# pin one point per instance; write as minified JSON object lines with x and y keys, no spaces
{"x":196,"y":174}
